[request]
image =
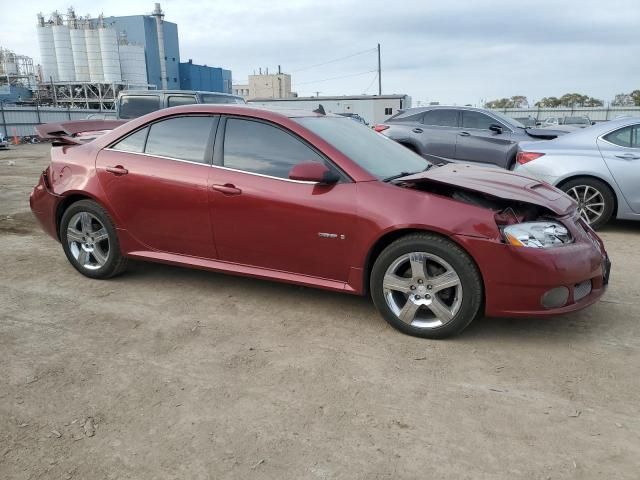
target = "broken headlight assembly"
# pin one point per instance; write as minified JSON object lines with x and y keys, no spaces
{"x":536,"y":235}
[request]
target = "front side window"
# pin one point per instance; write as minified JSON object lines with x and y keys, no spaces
{"x":134,"y":143}
{"x":477,"y":120}
{"x":261,"y":148}
{"x":132,"y":106}
{"x":183,"y":138}
{"x":441,"y":118}
{"x":176,"y":100}
{"x":625,"y":137}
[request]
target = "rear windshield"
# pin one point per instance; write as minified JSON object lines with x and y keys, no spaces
{"x":132,"y":106}
{"x":212,"y":98}
{"x":576,"y":120}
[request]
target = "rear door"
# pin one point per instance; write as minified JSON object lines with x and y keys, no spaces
{"x":155,"y":181}
{"x":621,"y":152}
{"x":476,"y":143}
{"x":438,"y":134}
{"x":263,"y":219}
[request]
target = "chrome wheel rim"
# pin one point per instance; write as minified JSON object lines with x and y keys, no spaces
{"x":88,"y":240}
{"x":590,"y":202}
{"x":422,"y":290}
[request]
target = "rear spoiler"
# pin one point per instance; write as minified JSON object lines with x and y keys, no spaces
{"x":76,"y":132}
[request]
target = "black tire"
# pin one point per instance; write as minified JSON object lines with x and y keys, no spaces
{"x":115,"y":263}
{"x":456,"y":257}
{"x":605,"y":191}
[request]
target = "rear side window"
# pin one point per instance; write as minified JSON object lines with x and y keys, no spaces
{"x":441,"y":118}
{"x":132,"y":106}
{"x":134,"y":143}
{"x":176,"y":100}
{"x":477,"y":120}
{"x":183,"y":138}
{"x":625,"y":137}
{"x":260,"y":148}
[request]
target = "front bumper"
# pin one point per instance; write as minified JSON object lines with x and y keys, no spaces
{"x":44,"y":205}
{"x":516,"y":279}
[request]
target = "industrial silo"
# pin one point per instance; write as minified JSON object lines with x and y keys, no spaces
{"x":64,"y":53}
{"x":94,"y":55}
{"x":79,"y":48}
{"x":110,"y":57}
{"x":47,"y":51}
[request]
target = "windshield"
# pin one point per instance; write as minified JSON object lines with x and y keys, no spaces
{"x":576,"y":120}
{"x":209,"y":98}
{"x":379,"y":155}
{"x":508,"y":120}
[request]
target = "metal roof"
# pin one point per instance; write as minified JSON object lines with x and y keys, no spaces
{"x":341,"y":97}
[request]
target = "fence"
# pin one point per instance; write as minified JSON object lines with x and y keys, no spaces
{"x":596,"y":114}
{"x":21,"y":121}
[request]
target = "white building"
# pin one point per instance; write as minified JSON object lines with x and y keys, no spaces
{"x":241,"y":89}
{"x":373,"y":108}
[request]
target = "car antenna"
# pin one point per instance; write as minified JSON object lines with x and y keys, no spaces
{"x":320,"y":110}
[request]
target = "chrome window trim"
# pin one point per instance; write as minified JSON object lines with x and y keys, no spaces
{"x":213,"y":166}
{"x":601,"y":137}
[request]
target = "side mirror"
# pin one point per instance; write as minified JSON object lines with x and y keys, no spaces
{"x":495,"y":128}
{"x":313,"y":172}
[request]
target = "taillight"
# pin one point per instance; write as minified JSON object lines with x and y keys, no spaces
{"x":526,"y":157}
{"x":380,"y":127}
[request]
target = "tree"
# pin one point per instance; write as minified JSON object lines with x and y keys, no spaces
{"x":622,"y":100}
{"x":517,"y":101}
{"x":635,"y":95}
{"x":548,"y":102}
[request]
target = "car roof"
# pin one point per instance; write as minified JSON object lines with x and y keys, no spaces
{"x":243,"y":110}
{"x":447,"y":107}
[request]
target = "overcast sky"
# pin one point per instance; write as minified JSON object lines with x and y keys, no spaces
{"x":447,"y":51}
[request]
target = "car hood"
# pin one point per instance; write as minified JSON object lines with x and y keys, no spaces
{"x":497,"y":183}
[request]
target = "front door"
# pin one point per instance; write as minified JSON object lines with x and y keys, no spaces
{"x":476,"y":143}
{"x":155,"y":181}
{"x":621,"y":152}
{"x":263,"y":219}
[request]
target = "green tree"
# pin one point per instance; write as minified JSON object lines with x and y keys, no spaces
{"x":622,"y":100}
{"x":635,"y":95}
{"x":548,"y":102}
{"x":517,"y":101}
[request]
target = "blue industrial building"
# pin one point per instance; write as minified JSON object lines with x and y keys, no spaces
{"x":141,"y":30}
{"x":204,"y":78}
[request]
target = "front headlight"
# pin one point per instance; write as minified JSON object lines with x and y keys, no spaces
{"x":536,"y":235}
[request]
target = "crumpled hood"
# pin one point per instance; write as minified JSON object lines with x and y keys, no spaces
{"x":497,"y":183}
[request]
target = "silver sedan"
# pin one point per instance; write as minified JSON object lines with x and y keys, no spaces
{"x":598,"y":166}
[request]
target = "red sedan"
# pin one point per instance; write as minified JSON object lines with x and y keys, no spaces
{"x":322,"y":201}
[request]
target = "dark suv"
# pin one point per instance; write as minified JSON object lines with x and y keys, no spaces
{"x":461,"y":134}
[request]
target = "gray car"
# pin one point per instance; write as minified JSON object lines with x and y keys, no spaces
{"x":461,"y":134}
{"x":598,"y":166}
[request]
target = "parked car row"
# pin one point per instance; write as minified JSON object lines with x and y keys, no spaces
{"x":599,"y":166}
{"x":323,"y":201}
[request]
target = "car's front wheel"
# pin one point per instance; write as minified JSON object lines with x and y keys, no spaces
{"x":427,"y":286}
{"x":89,"y":240}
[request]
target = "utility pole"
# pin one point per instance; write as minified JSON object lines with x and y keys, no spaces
{"x":317,"y":94}
{"x":379,"y":73}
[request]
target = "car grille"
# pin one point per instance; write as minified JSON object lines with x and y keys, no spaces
{"x":581,"y":290}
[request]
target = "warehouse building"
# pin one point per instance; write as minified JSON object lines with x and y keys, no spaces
{"x":204,"y":78}
{"x":373,"y":108}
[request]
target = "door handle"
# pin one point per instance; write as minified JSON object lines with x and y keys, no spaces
{"x":464,"y":134}
{"x":227,"y":189}
{"x":628,"y":156}
{"x":117,"y":170}
{"x":417,"y":130}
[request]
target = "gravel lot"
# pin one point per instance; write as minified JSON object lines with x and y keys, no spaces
{"x":173,"y":373}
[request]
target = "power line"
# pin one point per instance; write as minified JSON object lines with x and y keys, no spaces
{"x":336,"y":78}
{"x":334,"y":60}
{"x":366,"y":90}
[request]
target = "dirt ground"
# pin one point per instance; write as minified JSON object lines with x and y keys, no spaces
{"x":169,"y":373}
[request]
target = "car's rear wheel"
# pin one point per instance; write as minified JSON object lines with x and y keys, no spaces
{"x":427,"y":286}
{"x":595,"y":200}
{"x":89,"y":240}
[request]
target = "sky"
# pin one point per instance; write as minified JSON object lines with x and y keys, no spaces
{"x":453,"y":52}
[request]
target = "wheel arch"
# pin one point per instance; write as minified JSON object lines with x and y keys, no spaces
{"x":68,"y":200}
{"x":616,"y":200}
{"x":389,"y":237}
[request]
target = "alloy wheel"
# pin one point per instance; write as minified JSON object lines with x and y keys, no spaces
{"x":88,"y":240}
{"x":590,"y":202}
{"x":422,"y":290}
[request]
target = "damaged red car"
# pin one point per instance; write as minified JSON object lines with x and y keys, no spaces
{"x":321,"y":201}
